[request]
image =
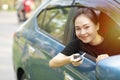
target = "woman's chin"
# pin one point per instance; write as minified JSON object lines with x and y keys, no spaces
{"x":85,"y":41}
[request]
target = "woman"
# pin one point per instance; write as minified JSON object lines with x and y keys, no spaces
{"x":88,"y":40}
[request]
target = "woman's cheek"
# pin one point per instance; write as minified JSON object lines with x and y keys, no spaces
{"x":77,"y":34}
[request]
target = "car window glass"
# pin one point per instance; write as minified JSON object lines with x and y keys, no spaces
{"x":54,"y":22}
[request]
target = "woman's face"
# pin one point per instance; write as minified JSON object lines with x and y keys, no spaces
{"x":85,"y":29}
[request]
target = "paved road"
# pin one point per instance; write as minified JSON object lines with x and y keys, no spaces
{"x":8,"y":24}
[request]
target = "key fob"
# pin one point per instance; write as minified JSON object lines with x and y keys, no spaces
{"x":75,"y":57}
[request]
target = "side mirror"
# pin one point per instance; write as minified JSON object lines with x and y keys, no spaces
{"x":109,"y":68}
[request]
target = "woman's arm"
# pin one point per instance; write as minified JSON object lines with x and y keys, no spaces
{"x":61,"y":60}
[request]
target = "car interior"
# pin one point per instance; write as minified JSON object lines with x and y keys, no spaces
{"x":108,"y":28}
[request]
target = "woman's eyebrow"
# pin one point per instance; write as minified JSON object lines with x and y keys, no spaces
{"x":85,"y":25}
{"x":76,"y":26}
{"x":82,"y":25}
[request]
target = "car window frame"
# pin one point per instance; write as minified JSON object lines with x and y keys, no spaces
{"x":69,"y":34}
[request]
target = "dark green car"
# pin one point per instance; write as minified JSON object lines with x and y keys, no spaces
{"x":48,"y":31}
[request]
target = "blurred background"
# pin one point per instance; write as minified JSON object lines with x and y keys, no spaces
{"x":11,"y":4}
{"x":23,"y":8}
{"x":12,"y":14}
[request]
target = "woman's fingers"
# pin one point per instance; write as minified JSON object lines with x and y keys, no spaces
{"x":101,"y":57}
{"x":76,"y":59}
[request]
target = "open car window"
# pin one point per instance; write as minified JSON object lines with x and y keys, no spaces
{"x":109,"y":29}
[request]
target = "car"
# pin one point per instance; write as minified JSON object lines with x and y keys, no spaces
{"x":50,"y":29}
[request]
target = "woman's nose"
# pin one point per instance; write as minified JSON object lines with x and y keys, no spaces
{"x":83,"y":31}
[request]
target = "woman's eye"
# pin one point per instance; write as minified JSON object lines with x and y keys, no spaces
{"x":86,"y":27}
{"x":77,"y":28}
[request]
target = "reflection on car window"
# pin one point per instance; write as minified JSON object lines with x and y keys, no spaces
{"x":54,"y":22}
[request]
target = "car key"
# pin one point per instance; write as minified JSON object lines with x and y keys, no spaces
{"x":75,"y":57}
{"x":81,"y":57}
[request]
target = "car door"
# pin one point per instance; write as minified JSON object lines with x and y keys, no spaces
{"x":45,"y":45}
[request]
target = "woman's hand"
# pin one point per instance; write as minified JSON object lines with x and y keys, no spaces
{"x":102,"y":56}
{"x":76,"y":61}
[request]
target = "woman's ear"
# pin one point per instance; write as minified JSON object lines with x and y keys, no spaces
{"x":98,"y":26}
